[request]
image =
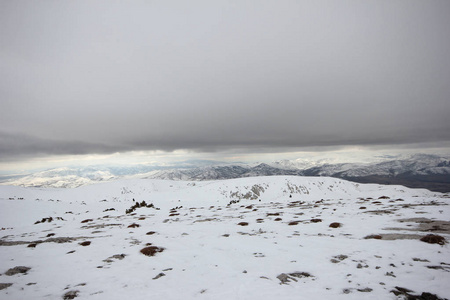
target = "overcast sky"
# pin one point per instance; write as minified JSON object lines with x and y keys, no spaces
{"x":100,"y":77}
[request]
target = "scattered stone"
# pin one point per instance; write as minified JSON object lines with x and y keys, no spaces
{"x":5,"y":285}
{"x":116,"y":256}
{"x":17,"y":270}
{"x":50,"y":234}
{"x":86,"y":243}
{"x":243,"y":224}
{"x":32,"y":245}
{"x":285,"y":278}
{"x":433,"y":239}
{"x":150,"y":233}
{"x":365,"y":290}
{"x":151,"y":251}
{"x":335,"y":225}
{"x":43,"y":220}
{"x":293,"y":223}
{"x":316,"y":220}
{"x":278,"y":219}
{"x":159,"y":276}
{"x":87,"y":220}
{"x":70,"y":252}
{"x":346,"y":291}
{"x":338,"y":258}
{"x":134,"y":225}
{"x":420,"y":259}
{"x":390,"y":274}
{"x":70,"y":295}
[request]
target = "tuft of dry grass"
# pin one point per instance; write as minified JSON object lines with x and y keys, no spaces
{"x":433,"y":239}
{"x":151,"y":250}
{"x":335,"y":225}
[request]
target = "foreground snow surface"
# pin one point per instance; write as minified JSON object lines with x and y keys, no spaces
{"x":208,"y":249}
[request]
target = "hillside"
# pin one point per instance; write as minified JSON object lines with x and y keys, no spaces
{"x":278,"y":237}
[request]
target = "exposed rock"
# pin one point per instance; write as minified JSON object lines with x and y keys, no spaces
{"x":159,"y":276}
{"x":70,"y":295}
{"x":17,"y":270}
{"x":5,"y":285}
{"x":285,"y":278}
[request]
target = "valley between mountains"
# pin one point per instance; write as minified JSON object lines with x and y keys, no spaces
{"x":278,"y":237}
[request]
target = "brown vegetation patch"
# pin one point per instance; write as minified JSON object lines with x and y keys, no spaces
{"x":362,"y":207}
{"x":86,"y":243}
{"x":384,"y":197}
{"x":373,"y":236}
{"x":278,"y":219}
{"x":335,"y":225}
{"x":87,"y":220}
{"x":316,"y":220}
{"x":293,"y":223}
{"x":243,"y":224}
{"x":259,"y":220}
{"x":134,"y":225}
{"x":433,"y":239}
{"x":151,"y":250}
{"x":273,"y":214}
{"x":32,"y":245}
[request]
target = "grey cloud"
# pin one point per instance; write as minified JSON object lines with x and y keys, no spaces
{"x":99,"y":77}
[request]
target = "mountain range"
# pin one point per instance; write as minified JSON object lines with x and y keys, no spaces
{"x":416,"y":171}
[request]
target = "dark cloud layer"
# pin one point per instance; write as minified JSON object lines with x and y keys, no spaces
{"x":99,"y":76}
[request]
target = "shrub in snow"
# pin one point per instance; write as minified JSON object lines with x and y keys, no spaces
{"x":151,"y":250}
{"x":138,"y":205}
{"x":335,"y":225}
{"x":433,"y":239}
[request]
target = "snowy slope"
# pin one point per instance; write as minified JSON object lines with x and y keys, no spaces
{"x":250,"y":238}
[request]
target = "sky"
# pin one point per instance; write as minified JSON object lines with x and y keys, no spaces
{"x":145,"y":81}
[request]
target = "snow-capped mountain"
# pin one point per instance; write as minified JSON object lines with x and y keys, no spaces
{"x":420,"y":170}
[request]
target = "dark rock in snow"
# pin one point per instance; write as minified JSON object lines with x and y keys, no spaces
{"x":17,"y":270}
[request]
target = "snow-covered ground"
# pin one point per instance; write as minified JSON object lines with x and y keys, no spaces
{"x":249,"y":238}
